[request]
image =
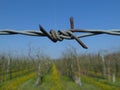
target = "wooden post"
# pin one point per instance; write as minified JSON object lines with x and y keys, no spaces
{"x":104,"y":67}
{"x":78,"y":66}
{"x":113,"y":78}
{"x":38,"y":81}
{"x":109,"y":71}
{"x":8,"y":74}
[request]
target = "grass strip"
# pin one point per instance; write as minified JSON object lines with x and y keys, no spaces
{"x":14,"y":84}
{"x":99,"y":84}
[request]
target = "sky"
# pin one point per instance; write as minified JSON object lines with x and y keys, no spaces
{"x":54,"y":14}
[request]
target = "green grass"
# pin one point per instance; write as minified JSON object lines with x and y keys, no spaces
{"x":110,"y":83}
{"x":16,"y":82}
{"x":67,"y":84}
{"x":102,"y":83}
{"x":54,"y":81}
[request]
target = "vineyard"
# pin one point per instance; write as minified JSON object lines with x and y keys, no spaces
{"x":11,"y":68}
{"x":72,"y":71}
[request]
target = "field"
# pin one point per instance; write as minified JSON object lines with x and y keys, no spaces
{"x":70,"y":72}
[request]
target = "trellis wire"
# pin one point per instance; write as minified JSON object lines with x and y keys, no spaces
{"x":62,"y":34}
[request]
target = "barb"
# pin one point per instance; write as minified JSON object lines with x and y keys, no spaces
{"x":77,"y":39}
{"x":60,"y":35}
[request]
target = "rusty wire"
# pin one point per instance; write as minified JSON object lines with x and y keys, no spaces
{"x":62,"y":34}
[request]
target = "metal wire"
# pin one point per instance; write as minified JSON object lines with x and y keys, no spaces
{"x":62,"y":34}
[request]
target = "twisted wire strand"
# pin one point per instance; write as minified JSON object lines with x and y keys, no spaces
{"x":38,"y":33}
{"x":60,"y":35}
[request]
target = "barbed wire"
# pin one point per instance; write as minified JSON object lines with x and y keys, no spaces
{"x":60,"y":35}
